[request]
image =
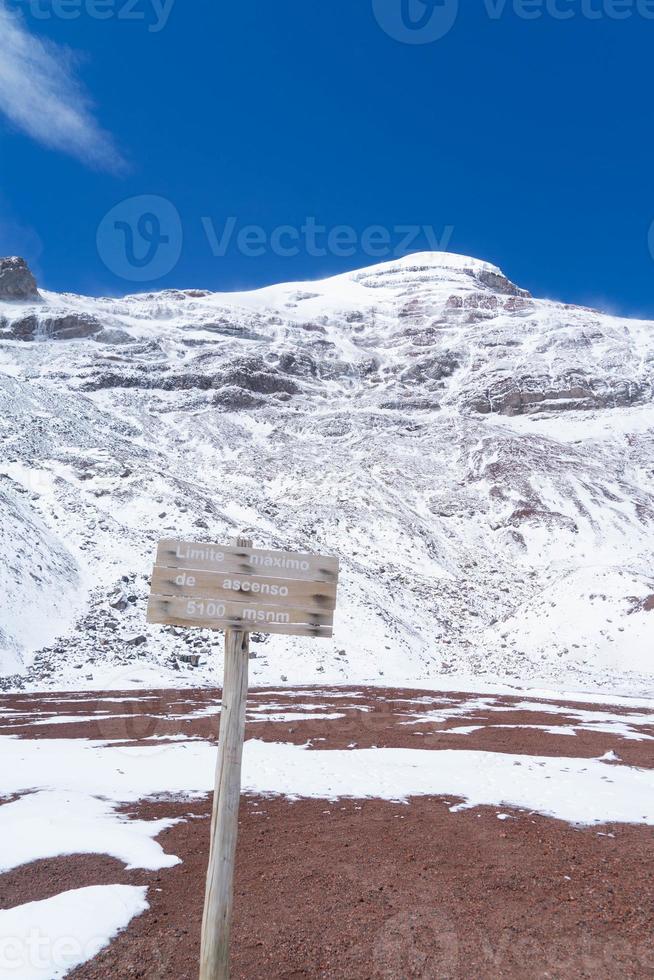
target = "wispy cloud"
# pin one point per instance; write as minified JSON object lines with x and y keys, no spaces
{"x":40,"y":94}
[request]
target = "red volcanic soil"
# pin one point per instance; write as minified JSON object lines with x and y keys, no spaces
{"x":369,"y":889}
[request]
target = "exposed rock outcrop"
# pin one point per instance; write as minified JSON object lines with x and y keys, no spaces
{"x":16,"y":280}
{"x":61,"y":326}
{"x":500,"y":284}
{"x":524,"y":396}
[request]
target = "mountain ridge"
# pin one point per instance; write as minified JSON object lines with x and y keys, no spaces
{"x":480,"y":460}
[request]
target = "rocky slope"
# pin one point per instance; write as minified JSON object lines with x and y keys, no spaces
{"x":481,"y":461}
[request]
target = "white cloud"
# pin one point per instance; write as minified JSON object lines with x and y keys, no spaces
{"x":40,"y":95}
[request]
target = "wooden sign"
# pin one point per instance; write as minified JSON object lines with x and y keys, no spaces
{"x":259,"y":618}
{"x":239,"y":589}
{"x":226,"y":587}
{"x":256,"y":561}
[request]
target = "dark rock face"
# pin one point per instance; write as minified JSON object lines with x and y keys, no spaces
{"x":113,"y":336}
{"x":67,"y":326}
{"x":299,"y":364}
{"x":500,"y":284}
{"x":22,"y":329}
{"x":411,"y":405}
{"x":573,"y":392}
{"x":72,"y":326}
{"x":115,"y":379}
{"x":230,"y":329}
{"x":239,"y":384}
{"x":16,"y":280}
{"x":433,"y":368}
{"x":489,"y":304}
{"x":255,"y":375}
{"x":235,"y":399}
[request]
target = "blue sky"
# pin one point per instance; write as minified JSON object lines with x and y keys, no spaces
{"x":517,"y":136}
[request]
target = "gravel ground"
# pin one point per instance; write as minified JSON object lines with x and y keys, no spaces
{"x":370,"y":888}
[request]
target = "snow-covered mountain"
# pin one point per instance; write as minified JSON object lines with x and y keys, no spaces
{"x":481,"y":461}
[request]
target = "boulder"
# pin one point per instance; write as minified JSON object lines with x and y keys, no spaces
{"x":118,"y":599}
{"x":16,"y":280}
{"x":113,"y":336}
{"x":136,"y":641}
{"x":232,"y":398}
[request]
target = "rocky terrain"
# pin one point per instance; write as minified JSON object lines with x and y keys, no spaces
{"x":481,"y":461}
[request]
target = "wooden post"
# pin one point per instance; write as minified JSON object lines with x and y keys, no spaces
{"x":282,"y":592}
{"x":218,"y":901}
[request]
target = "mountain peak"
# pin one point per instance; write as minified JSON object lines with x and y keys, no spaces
{"x":476,"y":458}
{"x":437,"y":268}
{"x":438,"y":260}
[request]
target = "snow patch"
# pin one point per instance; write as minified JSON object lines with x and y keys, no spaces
{"x":53,"y":823}
{"x":583,"y":791}
{"x":45,"y":940}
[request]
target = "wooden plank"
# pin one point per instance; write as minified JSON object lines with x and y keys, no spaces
{"x":243,"y":588}
{"x":219,"y":891}
{"x":239,"y":614}
{"x":260,"y":561}
{"x":176,"y":611}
